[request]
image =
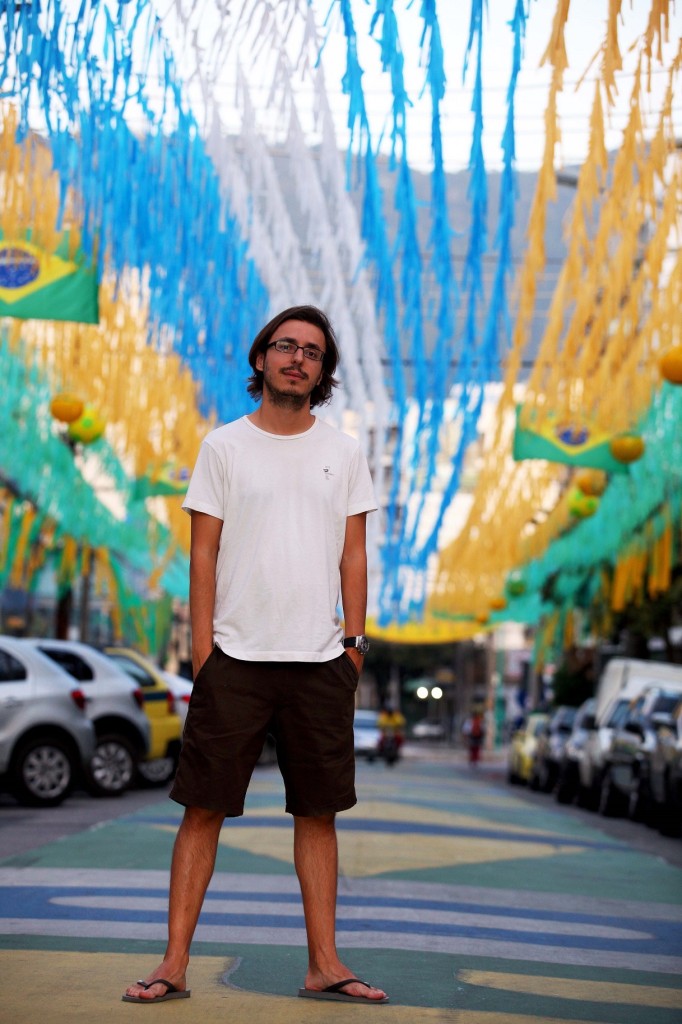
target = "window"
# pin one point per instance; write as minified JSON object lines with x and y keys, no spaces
{"x":11,"y":670}
{"x":71,"y":663}
{"x":132,"y":668}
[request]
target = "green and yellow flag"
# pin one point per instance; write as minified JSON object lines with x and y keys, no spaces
{"x":36,"y":285}
{"x":166,"y":482}
{"x":574,"y":444}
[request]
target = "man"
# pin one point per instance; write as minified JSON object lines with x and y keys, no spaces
{"x":391,"y":722}
{"x":278,"y":501}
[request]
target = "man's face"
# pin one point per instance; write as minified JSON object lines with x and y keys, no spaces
{"x":290,"y":377}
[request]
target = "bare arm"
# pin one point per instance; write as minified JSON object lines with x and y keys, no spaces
{"x":354,"y":580}
{"x":202,"y":572}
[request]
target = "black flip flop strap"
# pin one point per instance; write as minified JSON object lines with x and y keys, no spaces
{"x":348,"y":981}
{"x":170,"y":987}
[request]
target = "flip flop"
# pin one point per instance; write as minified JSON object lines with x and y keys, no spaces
{"x":171,"y":992}
{"x":334,"y":992}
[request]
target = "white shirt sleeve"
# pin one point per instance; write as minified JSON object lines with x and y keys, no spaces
{"x":360,"y":488}
{"x":206,"y":491}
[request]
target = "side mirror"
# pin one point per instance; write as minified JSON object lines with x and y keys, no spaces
{"x":634,"y":728}
{"x":589,"y":723}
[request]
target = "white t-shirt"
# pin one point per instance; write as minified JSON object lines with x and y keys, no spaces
{"x":284,"y":501}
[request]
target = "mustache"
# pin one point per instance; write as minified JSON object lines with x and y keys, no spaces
{"x":296,"y":369}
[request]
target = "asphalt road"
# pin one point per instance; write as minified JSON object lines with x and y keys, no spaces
{"x":23,"y":828}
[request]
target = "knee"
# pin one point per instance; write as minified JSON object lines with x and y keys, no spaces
{"x":319,"y":823}
{"x":199,"y":819}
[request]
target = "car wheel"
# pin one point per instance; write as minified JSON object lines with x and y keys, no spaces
{"x":610,"y":800}
{"x":112,"y":766}
{"x":42,"y":772}
{"x":565,"y":789}
{"x":640,"y":806}
{"x":669,"y":817}
{"x":156,"y":772}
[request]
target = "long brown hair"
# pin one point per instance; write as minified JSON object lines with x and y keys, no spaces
{"x":322,"y":392}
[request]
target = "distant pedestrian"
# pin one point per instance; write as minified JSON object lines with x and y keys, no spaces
{"x":474,"y":730}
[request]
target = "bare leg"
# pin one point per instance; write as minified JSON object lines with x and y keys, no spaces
{"x":191,"y":869}
{"x":316,"y":861}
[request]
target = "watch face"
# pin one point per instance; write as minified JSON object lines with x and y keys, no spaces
{"x":362,"y":644}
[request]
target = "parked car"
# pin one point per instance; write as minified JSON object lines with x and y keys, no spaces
{"x":159,"y":704}
{"x":626,"y":678}
{"x":568,"y":774}
{"x":595,"y":753}
{"x":181,"y":688}
{"x":46,"y":739}
{"x":366,"y":733}
{"x":428,"y":730}
{"x":665,"y":773}
{"x":550,"y":748}
{"x":114,"y":704}
{"x":523,"y":746}
{"x":626,"y":785}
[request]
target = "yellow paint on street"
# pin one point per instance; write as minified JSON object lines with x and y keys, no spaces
{"x":576,"y":988}
{"x":80,"y":988}
{"x":363,"y":854}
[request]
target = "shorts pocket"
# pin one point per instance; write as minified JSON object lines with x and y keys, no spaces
{"x":203,"y":667}
{"x":346,"y":660}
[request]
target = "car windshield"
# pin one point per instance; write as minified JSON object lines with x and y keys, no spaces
{"x":666,"y":703}
{"x":365,"y":720}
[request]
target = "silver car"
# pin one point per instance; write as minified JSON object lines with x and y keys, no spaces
{"x":46,"y":739}
{"x":115,"y":707}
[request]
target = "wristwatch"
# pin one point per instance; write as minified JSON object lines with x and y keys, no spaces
{"x":360,"y":643}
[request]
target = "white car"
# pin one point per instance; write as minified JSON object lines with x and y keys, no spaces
{"x":114,"y":704}
{"x":46,"y":739}
{"x":367,"y":734}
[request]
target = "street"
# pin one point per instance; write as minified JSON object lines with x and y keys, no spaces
{"x":466,"y":899}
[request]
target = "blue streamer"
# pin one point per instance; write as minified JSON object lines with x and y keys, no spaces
{"x":137,"y":208}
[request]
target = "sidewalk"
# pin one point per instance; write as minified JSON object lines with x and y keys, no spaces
{"x":463,"y":901}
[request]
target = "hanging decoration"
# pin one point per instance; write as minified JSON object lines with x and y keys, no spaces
{"x":171,"y":177}
{"x":35,"y":284}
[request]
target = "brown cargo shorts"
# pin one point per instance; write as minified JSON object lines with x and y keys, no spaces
{"x":307,"y":706}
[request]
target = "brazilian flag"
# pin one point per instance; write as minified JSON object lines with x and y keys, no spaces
{"x":166,"y":482}
{"x":36,"y":285}
{"x":574,"y":444}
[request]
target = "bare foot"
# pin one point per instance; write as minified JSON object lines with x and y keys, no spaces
{"x":146,"y":989}
{"x":317,"y":981}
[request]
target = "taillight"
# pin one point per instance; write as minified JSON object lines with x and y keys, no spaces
{"x":138,"y":697}
{"x":171,"y":702}
{"x":79,"y":699}
{"x":185,"y":698}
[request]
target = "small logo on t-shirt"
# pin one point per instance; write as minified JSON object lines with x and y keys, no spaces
{"x":327,"y":472}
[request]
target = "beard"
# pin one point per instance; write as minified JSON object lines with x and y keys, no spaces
{"x":286,"y":394}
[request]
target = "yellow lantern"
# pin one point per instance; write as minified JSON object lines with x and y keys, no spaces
{"x":66,"y":407}
{"x":498,"y":604}
{"x":582,"y":505}
{"x":670,"y":364}
{"x":590,"y":481}
{"x":482,"y":617}
{"x":627,"y":447}
{"x":88,"y":427}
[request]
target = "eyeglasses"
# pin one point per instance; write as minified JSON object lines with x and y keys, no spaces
{"x":289,"y":348}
